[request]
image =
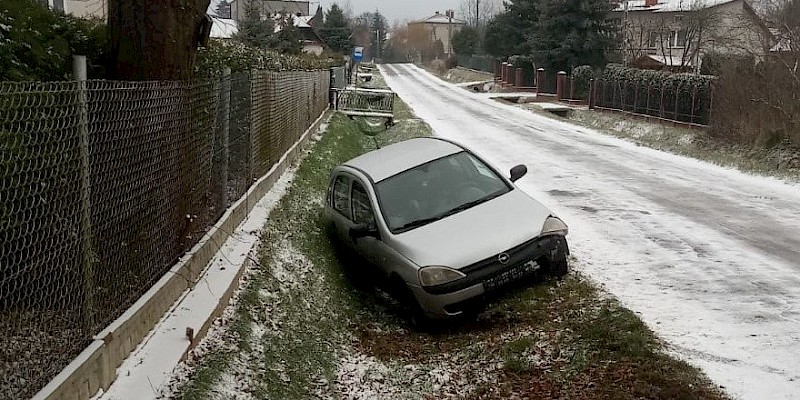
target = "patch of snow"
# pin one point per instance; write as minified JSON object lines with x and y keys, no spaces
{"x":707,"y":256}
{"x":151,"y":365}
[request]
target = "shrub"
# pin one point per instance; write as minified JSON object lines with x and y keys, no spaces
{"x":440,"y":66}
{"x":239,"y":57}
{"x":684,"y":97}
{"x":451,"y":62}
{"x":757,"y":105}
{"x":37,"y":43}
{"x":580,"y":77}
{"x":524,"y":62}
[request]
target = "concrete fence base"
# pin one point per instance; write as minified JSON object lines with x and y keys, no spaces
{"x":95,"y":368}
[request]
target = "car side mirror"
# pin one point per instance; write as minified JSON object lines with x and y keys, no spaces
{"x":518,"y":172}
{"x":364,"y":230}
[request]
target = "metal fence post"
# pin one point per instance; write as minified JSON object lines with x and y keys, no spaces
{"x":572,"y":88}
{"x":87,"y":253}
{"x":592,"y":94}
{"x":225,"y":103}
{"x":539,"y":80}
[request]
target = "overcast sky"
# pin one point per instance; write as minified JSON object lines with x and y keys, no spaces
{"x":393,"y":10}
{"x":396,"y":10}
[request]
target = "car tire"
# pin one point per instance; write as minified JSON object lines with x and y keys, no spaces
{"x":409,"y":304}
{"x":559,"y":265}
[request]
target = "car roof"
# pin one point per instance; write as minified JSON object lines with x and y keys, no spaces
{"x":390,"y":160}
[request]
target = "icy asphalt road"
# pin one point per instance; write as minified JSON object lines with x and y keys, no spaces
{"x":709,"y":257}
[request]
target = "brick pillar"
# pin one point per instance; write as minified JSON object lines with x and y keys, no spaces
{"x":503,"y":77}
{"x":562,"y":78}
{"x":539,"y":79}
{"x":519,"y":81}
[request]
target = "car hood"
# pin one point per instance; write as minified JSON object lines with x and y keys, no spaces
{"x":475,"y":234}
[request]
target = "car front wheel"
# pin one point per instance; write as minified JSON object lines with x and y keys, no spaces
{"x":558,"y":264}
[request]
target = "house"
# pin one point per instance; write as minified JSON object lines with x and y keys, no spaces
{"x":677,"y":34}
{"x":439,"y":27}
{"x":80,"y":8}
{"x":223,"y":28}
{"x":305,"y":24}
{"x":270,"y":8}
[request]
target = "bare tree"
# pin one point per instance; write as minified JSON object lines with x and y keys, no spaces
{"x":477,"y":13}
{"x":156,"y":39}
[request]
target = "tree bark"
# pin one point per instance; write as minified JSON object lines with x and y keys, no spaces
{"x":155,"y":39}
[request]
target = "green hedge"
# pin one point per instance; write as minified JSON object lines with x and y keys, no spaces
{"x":683,"y":97}
{"x":239,"y":57}
{"x":37,"y":44}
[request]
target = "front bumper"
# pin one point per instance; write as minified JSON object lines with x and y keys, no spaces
{"x":490,"y":276}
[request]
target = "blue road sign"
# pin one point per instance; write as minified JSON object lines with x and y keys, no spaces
{"x":358,"y":54}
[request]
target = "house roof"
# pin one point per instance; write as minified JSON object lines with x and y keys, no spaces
{"x":669,"y":5}
{"x":670,"y":61}
{"x":300,"y":22}
{"x":223,"y":28}
{"x":439,"y":18}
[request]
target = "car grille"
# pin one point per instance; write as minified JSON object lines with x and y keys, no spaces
{"x":522,"y":262}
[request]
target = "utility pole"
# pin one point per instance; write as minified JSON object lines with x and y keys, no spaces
{"x":477,"y":13}
{"x":450,"y":33}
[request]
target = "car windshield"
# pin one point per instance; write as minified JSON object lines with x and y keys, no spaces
{"x":437,"y":189}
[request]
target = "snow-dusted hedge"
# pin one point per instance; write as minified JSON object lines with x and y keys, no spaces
{"x":37,"y":43}
{"x":645,"y":77}
{"x":239,"y":57}
{"x":683,"y":97}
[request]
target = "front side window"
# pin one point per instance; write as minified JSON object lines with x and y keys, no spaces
{"x":436,"y":190}
{"x":362,"y":210}
{"x":340,"y":196}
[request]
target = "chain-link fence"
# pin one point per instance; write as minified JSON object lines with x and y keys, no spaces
{"x":104,"y":185}
{"x":479,"y":63}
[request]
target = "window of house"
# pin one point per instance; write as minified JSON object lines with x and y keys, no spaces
{"x":341,"y":190}
{"x":362,"y":210}
{"x":653,"y":40}
{"x":678,"y":38}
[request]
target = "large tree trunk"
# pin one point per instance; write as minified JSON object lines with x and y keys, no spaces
{"x":155,"y":39}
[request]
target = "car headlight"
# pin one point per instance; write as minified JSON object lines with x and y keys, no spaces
{"x":554,"y":226}
{"x":432,"y":276}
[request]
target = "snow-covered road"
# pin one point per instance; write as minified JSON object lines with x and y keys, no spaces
{"x":709,"y":257}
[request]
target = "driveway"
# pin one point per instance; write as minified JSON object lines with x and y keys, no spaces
{"x":709,"y":257}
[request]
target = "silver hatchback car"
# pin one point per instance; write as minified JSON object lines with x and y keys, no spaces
{"x":442,"y":226}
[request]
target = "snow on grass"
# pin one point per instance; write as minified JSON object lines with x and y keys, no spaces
{"x":706,"y":255}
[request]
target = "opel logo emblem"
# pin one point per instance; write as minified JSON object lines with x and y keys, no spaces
{"x":503,"y":258}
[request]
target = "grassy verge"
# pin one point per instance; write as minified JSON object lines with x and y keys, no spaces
{"x":778,"y":161}
{"x":304,"y":328}
{"x":461,"y":75}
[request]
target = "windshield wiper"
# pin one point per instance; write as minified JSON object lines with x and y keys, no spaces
{"x":420,"y":222}
{"x":474,"y":203}
{"x":425,"y":221}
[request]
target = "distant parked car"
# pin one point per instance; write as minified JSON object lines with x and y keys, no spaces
{"x":442,"y":226}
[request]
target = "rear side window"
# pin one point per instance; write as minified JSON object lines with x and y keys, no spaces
{"x":341,"y":190}
{"x":362,"y":210}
